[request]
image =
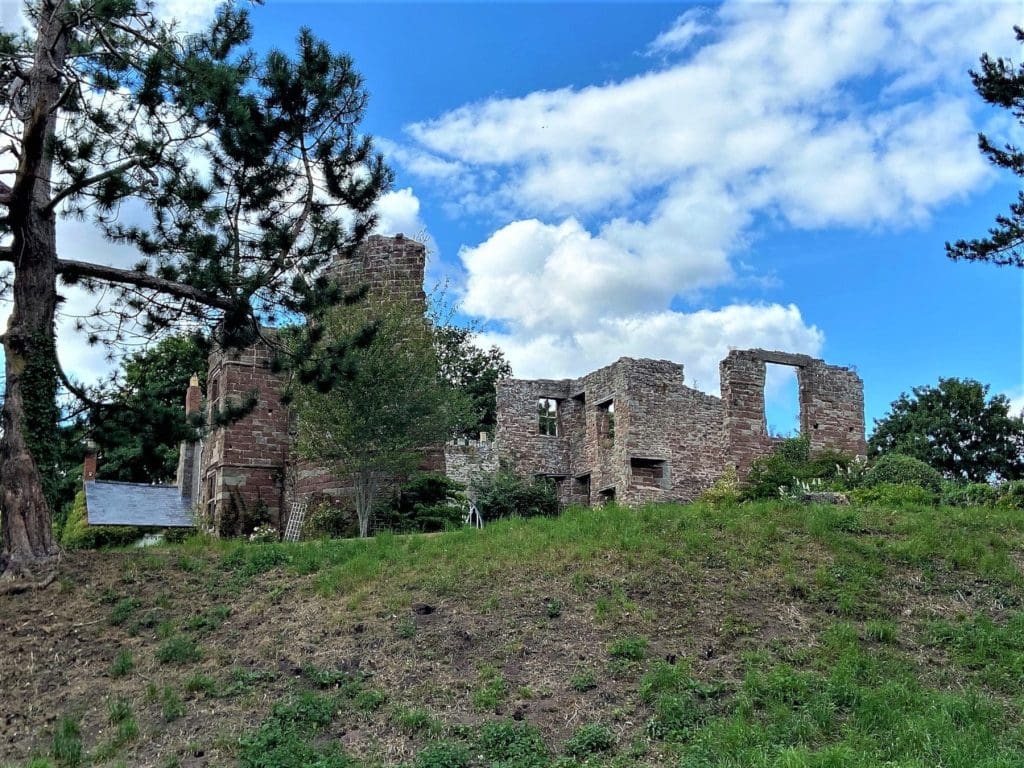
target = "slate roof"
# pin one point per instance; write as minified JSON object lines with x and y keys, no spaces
{"x":159,"y":506}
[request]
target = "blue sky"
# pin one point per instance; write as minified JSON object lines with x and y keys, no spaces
{"x":828,"y":152}
{"x":671,"y":180}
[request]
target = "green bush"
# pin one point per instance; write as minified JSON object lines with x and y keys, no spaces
{"x":511,"y":744}
{"x":790,"y":463}
{"x":428,"y":502}
{"x":583,"y":681}
{"x":171,"y":705}
{"x":893,"y":495}
{"x":1012,"y":495}
{"x":897,"y":469}
{"x":632,"y":648}
{"x":178,"y":649}
{"x":589,"y":740}
{"x":123,"y":664}
{"x":675,"y":715}
{"x":330,"y":518}
{"x":505,"y":494}
{"x":78,"y":534}
{"x":443,"y":755}
{"x":726,"y":490}
{"x":67,"y":743}
{"x":969,"y":494}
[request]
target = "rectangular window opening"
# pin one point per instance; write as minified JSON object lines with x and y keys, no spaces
{"x":650,"y":472}
{"x":547,"y":416}
{"x":606,"y":420}
{"x":211,"y":498}
{"x":581,"y":488}
{"x":214,"y":393}
{"x":781,"y":400}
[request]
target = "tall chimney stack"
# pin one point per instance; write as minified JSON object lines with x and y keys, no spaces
{"x":89,"y":466}
{"x":187,"y":478}
{"x":193,"y":396}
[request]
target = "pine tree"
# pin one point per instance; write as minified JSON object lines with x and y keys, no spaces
{"x":253,"y":170}
{"x":1000,"y":82}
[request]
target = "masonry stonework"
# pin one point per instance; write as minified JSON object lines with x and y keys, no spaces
{"x":632,"y":431}
{"x":669,"y":442}
{"x":249,"y":468}
{"x":243,"y":463}
{"x":470,"y":461}
{"x":831,"y":405}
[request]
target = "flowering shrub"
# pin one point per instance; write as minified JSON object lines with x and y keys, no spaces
{"x":264,"y":533}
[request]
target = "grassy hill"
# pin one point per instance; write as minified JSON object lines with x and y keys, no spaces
{"x":755,"y":635}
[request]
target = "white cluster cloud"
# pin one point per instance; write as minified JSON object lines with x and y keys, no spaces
{"x":612,"y":201}
{"x":398,"y":212}
{"x":683,"y":31}
{"x":698,"y":339}
{"x":1016,"y":398}
{"x":191,"y":15}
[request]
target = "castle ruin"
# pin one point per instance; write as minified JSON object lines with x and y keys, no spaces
{"x":632,"y":431}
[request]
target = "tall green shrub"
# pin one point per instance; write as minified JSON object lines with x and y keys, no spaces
{"x":969,"y":494}
{"x":506,"y":494}
{"x":791,"y":462}
{"x":429,"y":501}
{"x":1012,"y":495}
{"x":897,"y":469}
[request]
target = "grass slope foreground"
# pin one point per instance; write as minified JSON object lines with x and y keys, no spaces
{"x":757,"y":635}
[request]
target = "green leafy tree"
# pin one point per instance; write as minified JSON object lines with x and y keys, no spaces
{"x":139,"y":432}
{"x":473,"y":371}
{"x":956,"y":429}
{"x":1000,"y":82}
{"x":253,"y":170}
{"x":388,"y":404}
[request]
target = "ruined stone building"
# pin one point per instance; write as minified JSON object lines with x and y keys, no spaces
{"x":632,"y":431}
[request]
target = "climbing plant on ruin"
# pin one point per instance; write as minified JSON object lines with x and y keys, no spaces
{"x":248,"y":172}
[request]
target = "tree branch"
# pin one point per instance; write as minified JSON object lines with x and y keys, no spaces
{"x":74,"y":389}
{"x":88,"y":182}
{"x":147,"y":281}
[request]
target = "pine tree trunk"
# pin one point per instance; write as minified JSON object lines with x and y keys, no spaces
{"x":29,"y":408}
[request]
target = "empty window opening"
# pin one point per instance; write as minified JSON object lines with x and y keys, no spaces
{"x":781,"y":400}
{"x":214,"y":392}
{"x":211,"y":499}
{"x":650,"y":472}
{"x":606,"y":495}
{"x":581,"y":488}
{"x":606,"y":420}
{"x":547,"y":416}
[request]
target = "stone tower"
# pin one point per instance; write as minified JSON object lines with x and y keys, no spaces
{"x":248,"y":469}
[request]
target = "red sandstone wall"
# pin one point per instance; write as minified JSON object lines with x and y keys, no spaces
{"x":831,"y":405}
